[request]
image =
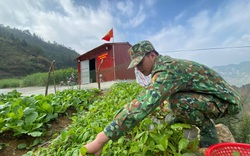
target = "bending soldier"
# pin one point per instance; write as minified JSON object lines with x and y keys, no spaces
{"x":196,"y":93}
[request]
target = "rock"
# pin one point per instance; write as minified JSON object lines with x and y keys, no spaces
{"x":224,"y":133}
{"x":203,"y":151}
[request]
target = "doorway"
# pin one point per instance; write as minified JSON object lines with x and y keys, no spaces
{"x":92,"y":70}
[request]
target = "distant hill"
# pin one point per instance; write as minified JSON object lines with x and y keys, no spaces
{"x":23,"y":53}
{"x":235,"y":74}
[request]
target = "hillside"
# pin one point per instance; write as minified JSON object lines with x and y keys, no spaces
{"x":22,"y":53}
{"x":19,"y":59}
{"x":235,"y":74}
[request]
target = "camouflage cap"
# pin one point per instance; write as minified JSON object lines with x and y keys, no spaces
{"x":138,"y":51}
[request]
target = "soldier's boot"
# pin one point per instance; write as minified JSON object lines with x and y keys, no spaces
{"x":208,"y":136}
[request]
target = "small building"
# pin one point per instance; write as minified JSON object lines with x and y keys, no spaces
{"x":110,"y":61}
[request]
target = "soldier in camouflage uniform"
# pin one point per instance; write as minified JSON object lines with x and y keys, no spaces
{"x":195,"y":92}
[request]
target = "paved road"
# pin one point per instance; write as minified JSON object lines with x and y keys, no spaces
{"x":27,"y":91}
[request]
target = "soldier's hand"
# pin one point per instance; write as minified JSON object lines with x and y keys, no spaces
{"x":95,"y":147}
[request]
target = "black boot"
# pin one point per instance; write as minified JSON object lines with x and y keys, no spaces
{"x":208,"y":136}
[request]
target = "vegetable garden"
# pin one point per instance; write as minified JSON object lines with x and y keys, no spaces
{"x":93,"y":110}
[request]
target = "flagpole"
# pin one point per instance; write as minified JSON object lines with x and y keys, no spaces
{"x":113,"y":47}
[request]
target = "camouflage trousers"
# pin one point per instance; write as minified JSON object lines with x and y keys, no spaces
{"x":198,"y":109}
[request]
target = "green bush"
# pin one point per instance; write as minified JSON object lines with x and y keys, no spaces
{"x":243,"y":132}
{"x":40,"y":79}
{"x":10,"y":83}
{"x":64,"y":74}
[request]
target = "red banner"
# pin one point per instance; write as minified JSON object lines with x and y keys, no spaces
{"x":103,"y":56}
{"x":109,"y":35}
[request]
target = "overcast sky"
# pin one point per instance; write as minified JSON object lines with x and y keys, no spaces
{"x":178,"y":28}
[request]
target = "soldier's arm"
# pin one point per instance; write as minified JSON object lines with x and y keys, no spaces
{"x":131,"y":114}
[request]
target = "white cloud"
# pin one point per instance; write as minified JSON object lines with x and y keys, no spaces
{"x":82,"y":26}
{"x":138,"y":19}
{"x":129,"y":14}
{"x":180,"y":16}
{"x":200,"y":23}
{"x":62,"y":27}
{"x":150,"y":3}
{"x":126,"y":7}
{"x":226,"y":27}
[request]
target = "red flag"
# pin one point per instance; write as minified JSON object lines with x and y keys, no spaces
{"x":109,"y":35}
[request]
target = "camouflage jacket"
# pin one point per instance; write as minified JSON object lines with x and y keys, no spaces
{"x":170,"y":76}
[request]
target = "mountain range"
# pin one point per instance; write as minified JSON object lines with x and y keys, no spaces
{"x":235,"y":74}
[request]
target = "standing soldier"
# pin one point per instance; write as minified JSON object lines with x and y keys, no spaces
{"x":196,"y":94}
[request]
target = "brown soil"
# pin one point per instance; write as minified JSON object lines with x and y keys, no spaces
{"x":11,"y":142}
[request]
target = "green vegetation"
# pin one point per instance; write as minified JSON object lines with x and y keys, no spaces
{"x":40,"y":79}
{"x":10,"y":83}
{"x":30,"y":115}
{"x":27,"y":115}
{"x":17,"y":60}
{"x":161,"y":140}
{"x":243,"y":129}
{"x":22,"y":53}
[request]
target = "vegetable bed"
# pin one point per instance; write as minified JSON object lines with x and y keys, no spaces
{"x":93,"y":113}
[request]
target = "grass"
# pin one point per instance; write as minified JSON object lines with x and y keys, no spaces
{"x":39,"y":79}
{"x":10,"y":83}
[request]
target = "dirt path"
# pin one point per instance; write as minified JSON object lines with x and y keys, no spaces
{"x":28,"y":91}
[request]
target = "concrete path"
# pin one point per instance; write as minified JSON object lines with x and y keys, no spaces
{"x":28,"y":91}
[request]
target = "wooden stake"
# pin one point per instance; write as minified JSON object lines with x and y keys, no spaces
{"x":50,"y":69}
